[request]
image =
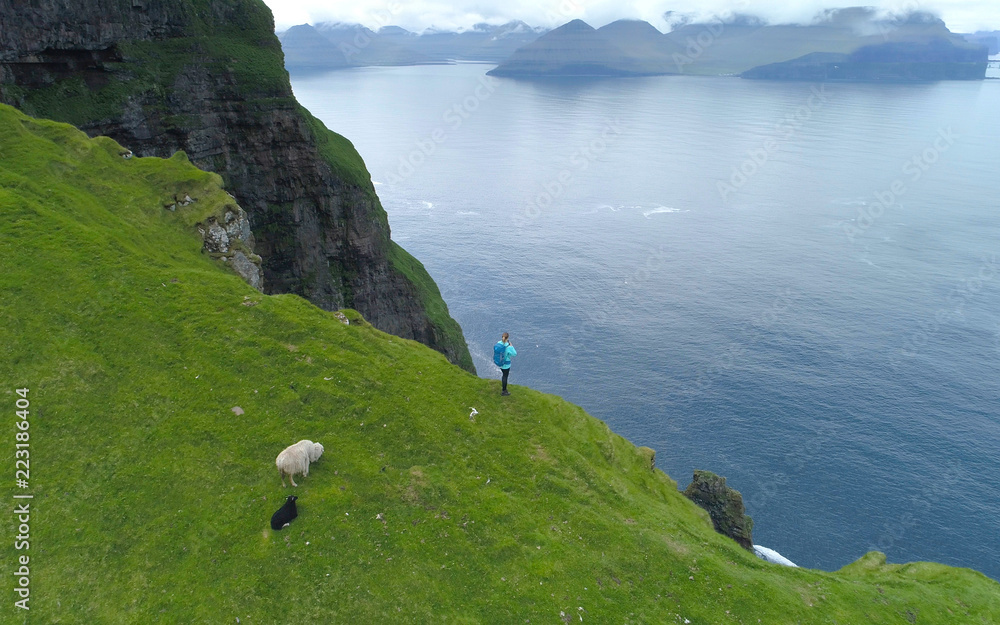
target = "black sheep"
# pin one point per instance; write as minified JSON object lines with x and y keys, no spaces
{"x":285,"y":514}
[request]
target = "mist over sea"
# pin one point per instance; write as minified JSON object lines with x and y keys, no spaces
{"x":795,"y":286}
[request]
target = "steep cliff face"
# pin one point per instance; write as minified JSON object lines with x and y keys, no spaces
{"x":206,"y":77}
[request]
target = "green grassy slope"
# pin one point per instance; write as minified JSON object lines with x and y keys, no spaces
{"x":152,"y":496}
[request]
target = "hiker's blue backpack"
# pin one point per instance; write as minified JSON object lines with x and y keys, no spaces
{"x":499,"y":352}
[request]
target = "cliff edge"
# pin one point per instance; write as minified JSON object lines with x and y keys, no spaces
{"x":207,"y":77}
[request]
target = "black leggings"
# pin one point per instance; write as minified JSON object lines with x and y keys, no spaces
{"x":506,"y":372}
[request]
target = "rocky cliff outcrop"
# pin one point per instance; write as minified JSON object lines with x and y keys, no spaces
{"x":231,"y":240}
{"x":724,"y":505}
{"x":206,"y":77}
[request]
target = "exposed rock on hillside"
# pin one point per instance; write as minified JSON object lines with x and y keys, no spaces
{"x":233,"y":242}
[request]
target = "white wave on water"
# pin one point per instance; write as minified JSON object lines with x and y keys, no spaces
{"x":646,"y":210}
{"x":770,"y":555}
{"x":661,"y":209}
{"x":376,"y":183}
{"x":850,"y":202}
{"x":428,"y":204}
{"x":466,"y":213}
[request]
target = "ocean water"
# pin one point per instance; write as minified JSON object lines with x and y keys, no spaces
{"x":795,"y":286}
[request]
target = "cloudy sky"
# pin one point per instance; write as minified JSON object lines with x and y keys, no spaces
{"x":960,"y":15}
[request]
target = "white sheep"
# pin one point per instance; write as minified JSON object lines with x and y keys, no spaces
{"x":296,"y":458}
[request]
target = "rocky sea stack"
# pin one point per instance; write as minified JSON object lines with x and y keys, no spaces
{"x":724,"y":505}
{"x":207,"y":77}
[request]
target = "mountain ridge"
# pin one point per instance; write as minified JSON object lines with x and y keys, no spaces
{"x":732,"y":45}
{"x":578,"y":49}
{"x":359,"y":46}
{"x":904,"y":61}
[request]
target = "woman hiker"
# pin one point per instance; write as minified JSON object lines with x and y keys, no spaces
{"x":503,"y":351}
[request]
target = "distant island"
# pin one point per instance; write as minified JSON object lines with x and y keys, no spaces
{"x":622,"y":48}
{"x":890,"y":62}
{"x":326,"y":45}
{"x":990,"y":39}
{"x":841,"y":44}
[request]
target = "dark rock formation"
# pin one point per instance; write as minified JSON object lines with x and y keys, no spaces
{"x":206,"y":77}
{"x":724,"y":505}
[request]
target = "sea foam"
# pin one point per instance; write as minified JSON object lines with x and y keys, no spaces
{"x":773,"y":556}
{"x":660,"y":209}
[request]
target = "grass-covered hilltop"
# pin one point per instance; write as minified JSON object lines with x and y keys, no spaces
{"x":207,"y":77}
{"x":162,"y":386}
